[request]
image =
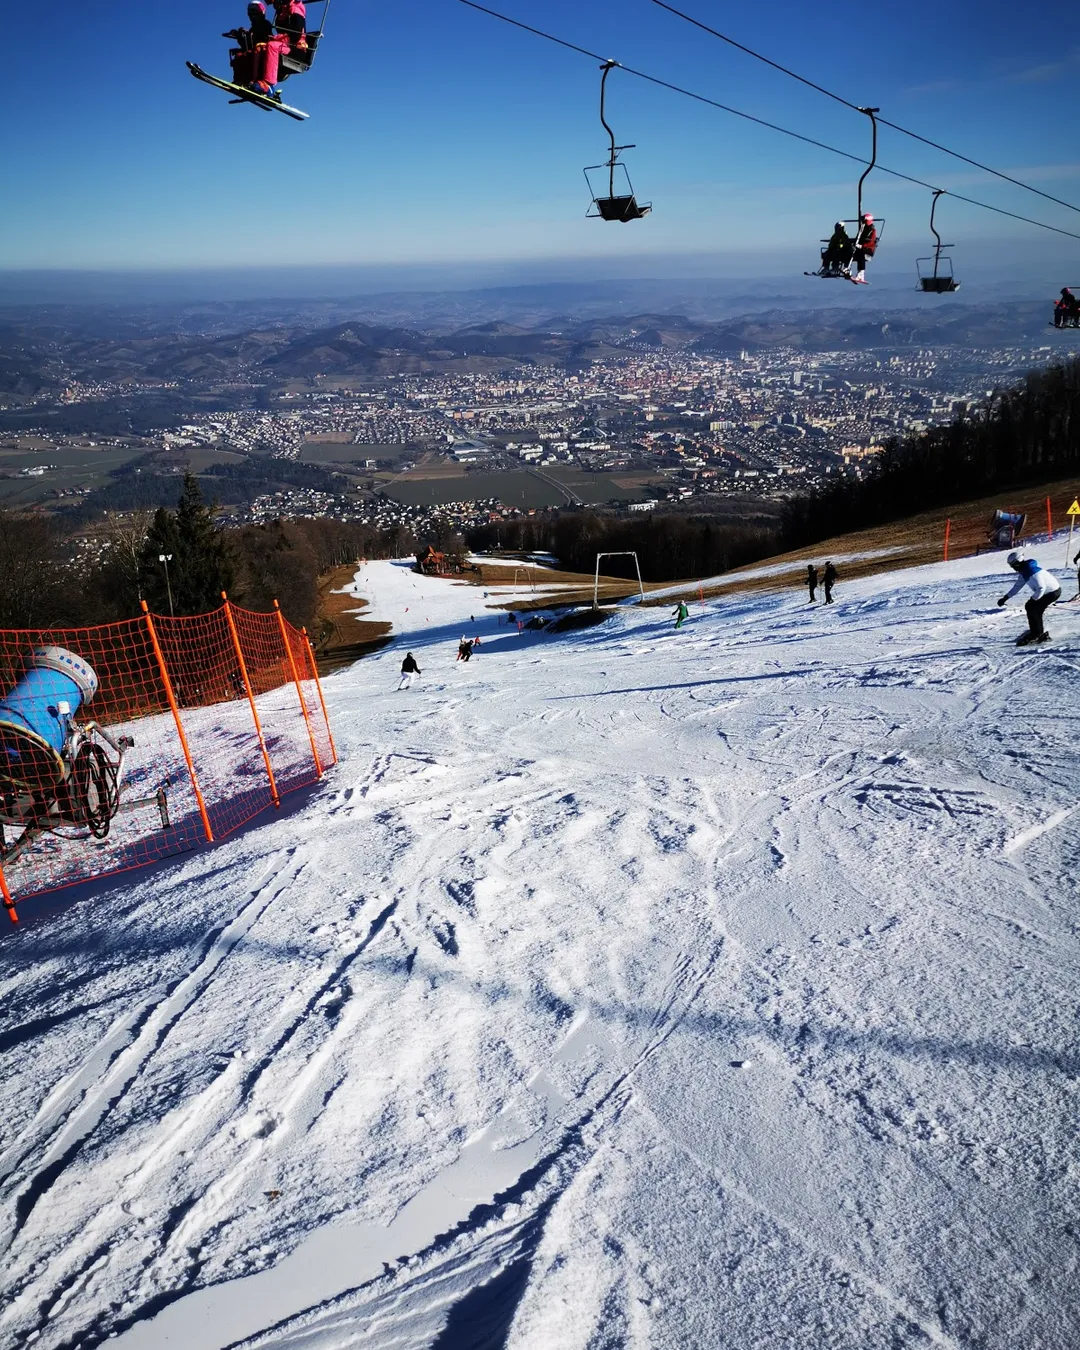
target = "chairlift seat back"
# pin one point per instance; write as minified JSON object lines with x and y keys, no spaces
{"x":298,"y":61}
{"x":938,"y":285}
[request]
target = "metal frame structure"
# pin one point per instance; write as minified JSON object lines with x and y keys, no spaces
{"x":940,"y":282}
{"x":624,"y":553}
{"x":86,"y":799}
{"x":615,"y":206}
{"x":293,"y":65}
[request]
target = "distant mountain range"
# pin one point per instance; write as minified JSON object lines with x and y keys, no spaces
{"x":41,"y":352}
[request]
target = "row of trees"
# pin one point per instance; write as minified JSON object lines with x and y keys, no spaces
{"x":1020,"y":438}
{"x":669,"y":547}
{"x":105,"y":571}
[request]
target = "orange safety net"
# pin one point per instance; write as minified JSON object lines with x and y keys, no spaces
{"x":127,"y":743}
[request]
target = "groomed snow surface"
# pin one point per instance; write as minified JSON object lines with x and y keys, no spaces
{"x":626,"y":988}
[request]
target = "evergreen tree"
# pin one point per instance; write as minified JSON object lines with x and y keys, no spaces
{"x":162,"y":539}
{"x":201,"y":567}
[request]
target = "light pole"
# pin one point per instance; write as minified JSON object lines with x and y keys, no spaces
{"x":165,"y":559}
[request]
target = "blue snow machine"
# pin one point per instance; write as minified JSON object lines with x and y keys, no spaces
{"x":56,"y":771}
{"x":1006,"y":527}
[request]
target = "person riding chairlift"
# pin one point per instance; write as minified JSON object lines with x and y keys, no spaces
{"x":1066,"y":309}
{"x":836,"y":256}
{"x":865,"y":247}
{"x":290,"y":20}
{"x":247,"y":54}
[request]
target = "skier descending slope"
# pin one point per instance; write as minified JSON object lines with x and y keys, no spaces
{"x":680,"y":614}
{"x":409,"y":670}
{"x":1045,"y":592}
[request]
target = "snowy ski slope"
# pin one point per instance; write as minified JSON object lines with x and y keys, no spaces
{"x":627,"y":988}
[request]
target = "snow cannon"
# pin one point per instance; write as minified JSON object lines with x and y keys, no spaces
{"x":1006,"y":527}
{"x":36,"y":717}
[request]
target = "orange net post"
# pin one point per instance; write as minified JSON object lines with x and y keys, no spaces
{"x":268,"y":661}
{"x":171,"y":696}
{"x":241,"y":666}
{"x":309,"y":651}
{"x":9,"y":904}
{"x":131,"y":742}
{"x":299,"y":689}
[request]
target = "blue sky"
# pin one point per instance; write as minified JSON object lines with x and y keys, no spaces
{"x":438,"y":134}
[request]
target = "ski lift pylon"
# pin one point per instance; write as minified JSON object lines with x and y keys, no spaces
{"x":941,"y":280}
{"x":621,"y":205}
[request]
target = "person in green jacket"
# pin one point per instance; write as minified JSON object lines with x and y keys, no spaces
{"x":681,"y":613}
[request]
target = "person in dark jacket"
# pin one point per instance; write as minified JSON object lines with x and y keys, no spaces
{"x":828,"y":580}
{"x":811,"y":582}
{"x":409,"y":669}
{"x":246,"y":54}
{"x":837,"y":253}
{"x":1066,"y":309}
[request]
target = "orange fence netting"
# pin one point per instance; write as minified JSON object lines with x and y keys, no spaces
{"x":124,"y":744}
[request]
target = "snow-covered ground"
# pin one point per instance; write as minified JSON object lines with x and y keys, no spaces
{"x":625,"y":988}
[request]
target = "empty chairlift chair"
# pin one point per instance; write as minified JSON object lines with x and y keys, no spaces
{"x":939,"y":281}
{"x":619,"y":205}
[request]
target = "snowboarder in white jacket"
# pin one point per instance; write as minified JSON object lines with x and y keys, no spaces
{"x":1045,"y":591}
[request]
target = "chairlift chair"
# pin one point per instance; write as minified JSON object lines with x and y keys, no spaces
{"x":843,"y":273}
{"x":295,"y":62}
{"x":830,"y":274}
{"x":621,"y":205}
{"x":940,"y":281}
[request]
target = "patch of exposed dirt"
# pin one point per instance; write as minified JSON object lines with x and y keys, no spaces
{"x":343,"y":635}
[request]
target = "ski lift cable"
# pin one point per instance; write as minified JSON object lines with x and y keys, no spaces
{"x":838,"y":98}
{"x":760,"y":121}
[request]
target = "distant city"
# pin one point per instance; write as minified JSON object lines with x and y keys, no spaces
{"x":397,"y":428}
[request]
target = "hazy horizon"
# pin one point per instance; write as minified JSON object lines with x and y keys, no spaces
{"x":987,"y":269}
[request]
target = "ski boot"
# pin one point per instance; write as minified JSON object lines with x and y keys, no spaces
{"x":1025,"y":638}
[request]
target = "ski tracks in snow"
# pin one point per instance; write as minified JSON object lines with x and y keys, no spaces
{"x":80,"y":1105}
{"x":742,"y":927}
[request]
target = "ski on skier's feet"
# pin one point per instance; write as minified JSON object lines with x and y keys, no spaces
{"x":244,"y":95}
